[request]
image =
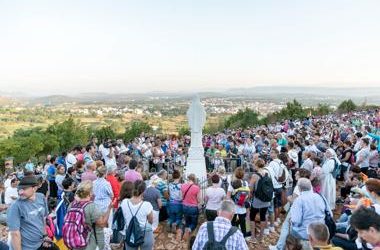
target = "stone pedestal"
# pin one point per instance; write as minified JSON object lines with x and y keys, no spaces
{"x":196,"y":161}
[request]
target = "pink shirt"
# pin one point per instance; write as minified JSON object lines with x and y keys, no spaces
{"x":132,"y":175}
{"x":191,"y":196}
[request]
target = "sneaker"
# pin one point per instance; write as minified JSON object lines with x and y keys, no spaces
{"x":278,"y":220}
{"x":266,"y":231}
{"x":276,"y":224}
{"x":271,"y":247}
{"x":272,"y":229}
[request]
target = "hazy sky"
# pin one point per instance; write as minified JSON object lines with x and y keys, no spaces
{"x":73,"y":46}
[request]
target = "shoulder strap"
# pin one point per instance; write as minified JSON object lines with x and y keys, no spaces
{"x":229,"y":234}
{"x":137,"y":209}
{"x":324,"y":201}
{"x":210,"y":231}
{"x":184,"y":196}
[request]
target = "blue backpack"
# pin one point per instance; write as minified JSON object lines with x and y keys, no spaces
{"x":134,"y":234}
{"x":337,"y":169}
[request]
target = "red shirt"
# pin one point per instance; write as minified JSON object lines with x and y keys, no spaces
{"x":115,"y":189}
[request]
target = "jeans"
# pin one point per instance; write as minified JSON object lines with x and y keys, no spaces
{"x":3,"y":246}
{"x":343,"y":243}
{"x":163,"y":213}
{"x":191,"y":217}
{"x":175,"y":213}
{"x":284,"y":233}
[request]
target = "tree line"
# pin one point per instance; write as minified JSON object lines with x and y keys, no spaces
{"x":36,"y":143}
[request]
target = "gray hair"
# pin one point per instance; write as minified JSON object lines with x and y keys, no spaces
{"x":162,"y":172}
{"x":227,"y":206}
{"x":111,"y":168}
{"x":304,"y":184}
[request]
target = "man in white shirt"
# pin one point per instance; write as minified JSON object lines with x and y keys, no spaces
{"x":108,"y":153}
{"x":11,"y":194}
{"x":70,"y":158}
{"x":277,"y":172}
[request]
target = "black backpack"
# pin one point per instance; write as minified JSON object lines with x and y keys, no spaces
{"x":134,"y":234}
{"x":118,"y":224}
{"x":212,"y":244}
{"x":264,"y":190}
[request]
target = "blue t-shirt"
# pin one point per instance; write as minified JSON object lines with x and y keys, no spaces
{"x":51,"y":173}
{"x":28,"y":217}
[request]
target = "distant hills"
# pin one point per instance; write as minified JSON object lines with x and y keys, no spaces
{"x":306,"y":95}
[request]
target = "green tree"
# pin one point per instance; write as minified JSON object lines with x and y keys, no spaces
{"x":243,"y":119}
{"x":135,"y":128}
{"x":69,"y":133}
{"x":346,"y":106}
{"x":322,"y":109}
{"x":104,"y":133}
{"x":184,"y":130}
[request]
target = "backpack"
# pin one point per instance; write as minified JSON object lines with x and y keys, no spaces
{"x":241,"y":195}
{"x":175,"y":192}
{"x":134,"y":235}
{"x":212,"y":244}
{"x":49,"y":227}
{"x":75,"y":231}
{"x":337,"y":168}
{"x":264,"y":190}
{"x":224,"y":184}
{"x":118,"y":221}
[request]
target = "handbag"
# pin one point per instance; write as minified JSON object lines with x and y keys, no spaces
{"x":329,"y":221}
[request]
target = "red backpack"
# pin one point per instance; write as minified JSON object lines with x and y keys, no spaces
{"x":75,"y":231}
{"x":49,"y":227}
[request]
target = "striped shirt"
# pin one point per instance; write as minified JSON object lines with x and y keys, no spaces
{"x":221,"y":227}
{"x":103,"y":194}
{"x":162,"y":186}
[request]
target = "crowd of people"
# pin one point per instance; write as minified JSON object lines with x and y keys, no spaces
{"x":316,"y":181}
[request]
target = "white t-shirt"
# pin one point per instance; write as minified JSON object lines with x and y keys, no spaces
{"x":275,"y":171}
{"x":215,"y":197}
{"x":108,"y":161}
{"x":7,"y":183}
{"x":70,"y":160}
{"x":145,"y":209}
{"x":11,"y":191}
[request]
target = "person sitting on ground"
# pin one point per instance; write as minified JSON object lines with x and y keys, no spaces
{"x":292,"y":243}
{"x":367,"y":222}
{"x":302,"y":214}
{"x":221,"y":230}
{"x":319,"y":236}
